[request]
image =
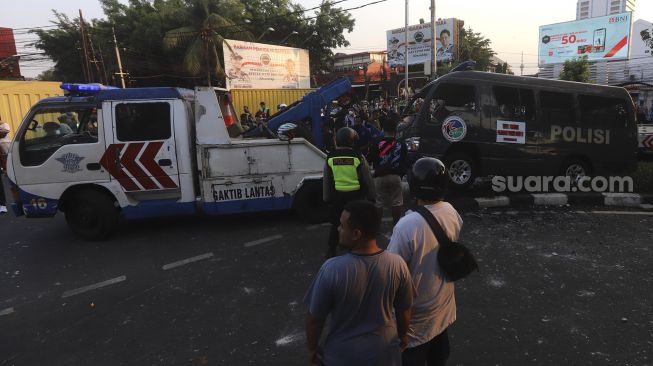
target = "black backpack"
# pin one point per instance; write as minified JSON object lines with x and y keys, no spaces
{"x":454,"y":258}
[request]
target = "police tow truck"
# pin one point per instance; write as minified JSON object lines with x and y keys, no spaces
{"x":101,"y":153}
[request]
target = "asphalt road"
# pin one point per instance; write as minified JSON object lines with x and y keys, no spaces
{"x":556,"y":287}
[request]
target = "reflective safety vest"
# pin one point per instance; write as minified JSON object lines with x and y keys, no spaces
{"x":345,"y":171}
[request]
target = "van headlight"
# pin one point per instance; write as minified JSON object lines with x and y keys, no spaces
{"x":412,"y":143}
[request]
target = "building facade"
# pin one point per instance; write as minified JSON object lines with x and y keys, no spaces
{"x":358,"y":67}
{"x":9,"y":68}
{"x":597,"y":8}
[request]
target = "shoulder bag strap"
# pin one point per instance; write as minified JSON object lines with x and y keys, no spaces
{"x":443,"y":239}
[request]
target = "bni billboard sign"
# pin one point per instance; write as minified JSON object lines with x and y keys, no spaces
{"x":602,"y":38}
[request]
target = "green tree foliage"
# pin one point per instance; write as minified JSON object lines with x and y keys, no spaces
{"x":165,"y":42}
{"x":471,"y":46}
{"x":202,"y":39}
{"x":503,"y":68}
{"x":576,"y":69}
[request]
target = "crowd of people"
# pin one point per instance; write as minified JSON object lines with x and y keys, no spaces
{"x":385,"y":307}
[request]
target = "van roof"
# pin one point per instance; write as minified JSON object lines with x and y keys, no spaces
{"x":568,"y":86}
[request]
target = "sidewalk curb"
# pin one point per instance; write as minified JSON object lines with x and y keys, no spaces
{"x":643,"y":201}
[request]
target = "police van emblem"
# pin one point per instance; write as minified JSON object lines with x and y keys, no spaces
{"x":454,"y":128}
{"x":70,"y":162}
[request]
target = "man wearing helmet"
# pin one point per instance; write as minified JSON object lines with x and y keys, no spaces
{"x":346,"y":178}
{"x":434,"y":307}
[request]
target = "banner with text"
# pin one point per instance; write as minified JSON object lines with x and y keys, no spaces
{"x":601,"y":38}
{"x":419,"y":43}
{"x":250,"y":65}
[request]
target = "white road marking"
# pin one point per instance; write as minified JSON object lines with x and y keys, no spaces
{"x":622,"y":213}
{"x":287,"y":339}
{"x":94,"y":286}
{"x":186,"y":261}
{"x":262,"y":241}
{"x":313,"y":227}
{"x":6,"y":311}
{"x":497,"y":201}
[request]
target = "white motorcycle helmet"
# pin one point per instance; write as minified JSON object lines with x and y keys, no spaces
{"x":286,"y":131}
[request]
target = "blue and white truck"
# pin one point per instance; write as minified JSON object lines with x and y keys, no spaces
{"x":99,"y":155}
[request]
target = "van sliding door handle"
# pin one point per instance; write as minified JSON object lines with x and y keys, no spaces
{"x":93,"y":166}
{"x":165,"y":162}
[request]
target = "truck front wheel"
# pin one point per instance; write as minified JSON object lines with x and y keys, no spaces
{"x":92,"y":215}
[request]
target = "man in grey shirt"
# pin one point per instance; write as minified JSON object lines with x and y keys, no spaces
{"x":359,"y":290}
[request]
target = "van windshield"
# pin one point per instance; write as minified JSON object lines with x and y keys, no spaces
{"x":415,"y":104}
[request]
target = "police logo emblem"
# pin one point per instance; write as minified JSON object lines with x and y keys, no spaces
{"x":70,"y":162}
{"x":454,"y":129}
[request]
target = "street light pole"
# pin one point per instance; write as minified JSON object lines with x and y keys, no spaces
{"x":406,"y":55}
{"x":309,"y":37}
{"x":434,"y":63}
{"x":270,"y":29}
{"x":288,"y":36}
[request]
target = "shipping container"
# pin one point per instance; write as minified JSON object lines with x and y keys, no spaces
{"x":272,"y":97}
{"x":16,"y":98}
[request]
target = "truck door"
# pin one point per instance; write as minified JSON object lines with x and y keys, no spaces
{"x":142,"y":156}
{"x":57,"y":145}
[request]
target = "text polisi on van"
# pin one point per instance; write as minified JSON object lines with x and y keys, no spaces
{"x":581,"y":135}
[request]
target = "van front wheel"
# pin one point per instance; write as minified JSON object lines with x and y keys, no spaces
{"x":92,"y":215}
{"x":462,"y":169}
{"x":575,"y":169}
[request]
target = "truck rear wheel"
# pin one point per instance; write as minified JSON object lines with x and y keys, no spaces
{"x":309,"y":205}
{"x":92,"y":215}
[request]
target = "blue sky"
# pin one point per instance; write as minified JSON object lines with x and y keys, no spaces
{"x":512,"y":25}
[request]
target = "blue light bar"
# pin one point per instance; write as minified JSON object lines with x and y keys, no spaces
{"x":85,"y":88}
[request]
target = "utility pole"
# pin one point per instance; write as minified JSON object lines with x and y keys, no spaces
{"x":87,"y":66}
{"x":434,"y":63}
{"x":406,"y":55}
{"x":120,"y":72}
{"x":521,"y":67}
{"x":104,"y":69}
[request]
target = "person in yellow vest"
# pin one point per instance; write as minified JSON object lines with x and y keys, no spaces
{"x":346,"y":178}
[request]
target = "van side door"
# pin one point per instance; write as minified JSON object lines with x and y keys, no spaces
{"x":142,"y":156}
{"x":512,"y":145}
{"x":559,"y":125}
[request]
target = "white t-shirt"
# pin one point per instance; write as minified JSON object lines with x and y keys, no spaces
{"x":434,"y":305}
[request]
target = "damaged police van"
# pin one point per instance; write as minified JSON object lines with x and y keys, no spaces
{"x":484,"y":124}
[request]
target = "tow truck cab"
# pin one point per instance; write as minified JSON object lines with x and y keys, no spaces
{"x":100,"y":154}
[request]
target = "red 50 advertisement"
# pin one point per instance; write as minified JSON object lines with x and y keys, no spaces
{"x":601,"y":38}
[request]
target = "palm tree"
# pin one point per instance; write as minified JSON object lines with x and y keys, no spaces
{"x":202,"y":39}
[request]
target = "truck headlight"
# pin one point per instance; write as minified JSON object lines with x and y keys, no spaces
{"x":412,"y":143}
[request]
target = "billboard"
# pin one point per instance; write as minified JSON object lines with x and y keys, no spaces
{"x":419,"y":43}
{"x":642,"y":43}
{"x":601,"y":38}
{"x":250,"y":65}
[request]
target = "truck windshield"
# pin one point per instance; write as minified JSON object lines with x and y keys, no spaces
{"x":52,"y":127}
